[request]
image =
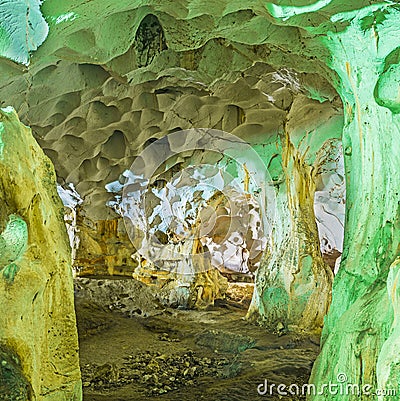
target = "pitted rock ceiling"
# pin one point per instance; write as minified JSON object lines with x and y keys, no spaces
{"x":96,"y":94}
{"x":92,"y":125}
{"x":101,"y":123}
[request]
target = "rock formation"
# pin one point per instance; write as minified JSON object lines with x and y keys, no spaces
{"x":292,"y":80}
{"x":38,"y":337}
{"x":106,"y":99}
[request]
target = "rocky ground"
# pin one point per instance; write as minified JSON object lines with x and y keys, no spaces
{"x":132,"y":353}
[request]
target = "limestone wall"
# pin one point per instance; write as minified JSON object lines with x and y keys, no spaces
{"x":38,"y":335}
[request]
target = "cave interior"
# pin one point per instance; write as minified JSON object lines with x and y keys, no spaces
{"x":199,"y":200}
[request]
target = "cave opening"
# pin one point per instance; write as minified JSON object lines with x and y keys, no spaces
{"x":198,"y":223}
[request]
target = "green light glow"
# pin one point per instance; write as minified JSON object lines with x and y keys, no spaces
{"x":285,"y":12}
{"x":22,"y":29}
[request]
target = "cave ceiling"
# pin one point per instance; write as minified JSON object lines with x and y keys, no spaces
{"x":94,"y":93}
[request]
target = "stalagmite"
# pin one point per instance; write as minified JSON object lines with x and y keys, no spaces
{"x":293,"y":284}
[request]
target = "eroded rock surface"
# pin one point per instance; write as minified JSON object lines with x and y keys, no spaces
{"x":38,"y":336}
{"x":231,"y":67}
{"x":108,"y":96}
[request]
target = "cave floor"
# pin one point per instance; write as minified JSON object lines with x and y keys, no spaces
{"x":212,"y":355}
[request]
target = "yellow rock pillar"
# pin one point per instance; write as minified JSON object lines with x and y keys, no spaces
{"x":38,"y":336}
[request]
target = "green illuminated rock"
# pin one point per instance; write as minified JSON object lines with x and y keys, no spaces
{"x":293,"y":284}
{"x":372,"y":221}
{"x":13,"y":243}
{"x":359,"y":332}
{"x":22,"y":29}
{"x":95,"y":88}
